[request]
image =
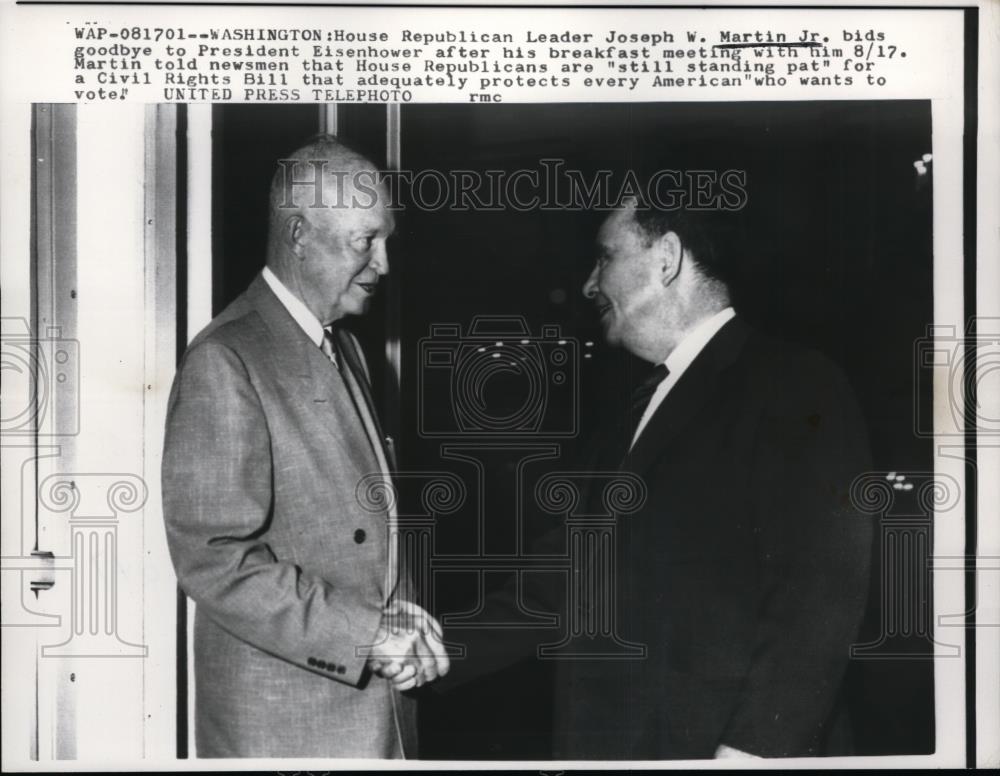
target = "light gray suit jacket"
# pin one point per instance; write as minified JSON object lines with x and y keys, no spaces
{"x":264,"y":451}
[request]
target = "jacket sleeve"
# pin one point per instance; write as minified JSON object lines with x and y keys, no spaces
{"x":217,"y":503}
{"x":492,"y":648}
{"x":813,"y":557}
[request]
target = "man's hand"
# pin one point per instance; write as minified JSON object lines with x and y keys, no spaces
{"x":409,"y":648}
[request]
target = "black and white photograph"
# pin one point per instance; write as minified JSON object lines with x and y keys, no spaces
{"x":346,"y":423}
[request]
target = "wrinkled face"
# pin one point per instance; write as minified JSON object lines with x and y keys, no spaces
{"x":625,"y":283}
{"x":345,"y":253}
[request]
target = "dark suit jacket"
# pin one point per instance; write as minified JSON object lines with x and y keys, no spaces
{"x":744,"y":574}
{"x":264,"y":451}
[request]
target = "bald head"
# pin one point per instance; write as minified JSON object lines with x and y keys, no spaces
{"x":318,"y":175}
{"x":329,"y":222}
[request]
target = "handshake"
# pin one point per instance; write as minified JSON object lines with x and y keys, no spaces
{"x":409,"y":647}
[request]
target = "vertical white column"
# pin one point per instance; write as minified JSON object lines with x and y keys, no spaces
{"x":199,"y":289}
{"x":160,"y":347}
{"x":19,"y":645}
{"x":949,"y":527}
{"x":199,"y":218}
{"x":105,"y":668}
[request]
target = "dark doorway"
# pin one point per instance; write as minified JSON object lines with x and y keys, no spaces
{"x":833,"y":250}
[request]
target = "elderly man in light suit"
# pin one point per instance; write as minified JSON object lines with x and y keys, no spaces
{"x":302,"y":644}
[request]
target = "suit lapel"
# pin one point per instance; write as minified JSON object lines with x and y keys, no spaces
{"x":321,"y":391}
{"x":695,"y":388}
{"x":355,"y":373}
{"x":311,"y":380}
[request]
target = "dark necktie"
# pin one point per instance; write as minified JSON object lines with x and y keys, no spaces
{"x":350,"y":361}
{"x":643,"y":393}
{"x":329,"y":345}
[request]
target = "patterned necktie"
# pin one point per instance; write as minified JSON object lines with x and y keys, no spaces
{"x":329,"y":346}
{"x":643,"y":393}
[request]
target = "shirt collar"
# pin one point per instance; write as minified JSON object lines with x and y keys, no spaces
{"x":689,"y":348}
{"x":296,"y":308}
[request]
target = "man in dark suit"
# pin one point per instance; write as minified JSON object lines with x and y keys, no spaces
{"x":270,"y":430}
{"x":744,"y":573}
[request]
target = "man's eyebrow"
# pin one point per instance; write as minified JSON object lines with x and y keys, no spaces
{"x":369,"y":231}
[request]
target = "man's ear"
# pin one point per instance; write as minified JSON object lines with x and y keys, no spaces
{"x":294,"y":232}
{"x":669,"y":254}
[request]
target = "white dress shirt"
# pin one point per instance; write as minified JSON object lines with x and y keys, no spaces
{"x":680,"y":359}
{"x":308,"y":322}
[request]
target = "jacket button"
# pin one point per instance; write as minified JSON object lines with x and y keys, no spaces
{"x":311,"y":661}
{"x":341,"y":669}
{"x":360,"y":536}
{"x":321,"y":663}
